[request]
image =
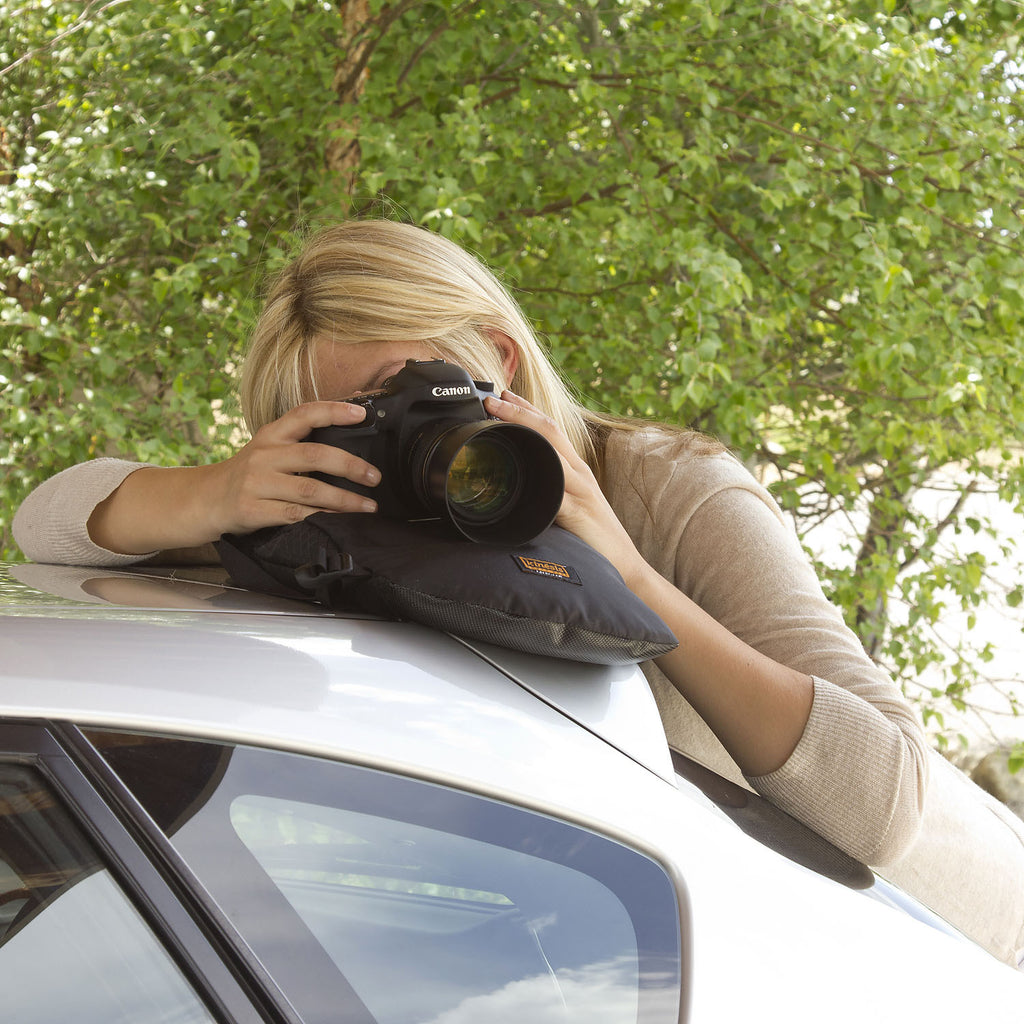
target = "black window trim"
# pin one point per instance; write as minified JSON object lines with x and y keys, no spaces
{"x":213,"y":958}
{"x":772,"y":827}
{"x":223,"y":970}
{"x":351,"y":1009}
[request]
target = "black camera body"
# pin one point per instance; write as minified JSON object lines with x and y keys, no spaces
{"x":441,"y":456}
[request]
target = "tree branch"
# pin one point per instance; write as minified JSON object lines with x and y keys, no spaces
{"x":80,"y":22}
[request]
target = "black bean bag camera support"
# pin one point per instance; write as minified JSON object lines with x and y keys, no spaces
{"x":555,"y":595}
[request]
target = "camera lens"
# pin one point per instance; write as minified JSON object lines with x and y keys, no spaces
{"x":496,"y":482}
{"x":483,"y":477}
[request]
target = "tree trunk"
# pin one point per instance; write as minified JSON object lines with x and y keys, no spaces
{"x":359,"y":36}
{"x":25,"y":291}
{"x":887,"y":517}
{"x":350,"y":74}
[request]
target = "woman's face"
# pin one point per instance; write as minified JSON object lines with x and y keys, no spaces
{"x":346,"y":370}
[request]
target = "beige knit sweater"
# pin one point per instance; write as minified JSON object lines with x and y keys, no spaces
{"x":862,"y":774}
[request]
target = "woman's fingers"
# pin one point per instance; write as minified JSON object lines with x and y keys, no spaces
{"x":325,"y":498}
{"x":270,"y":481}
{"x":305,"y":457}
{"x":585,"y":510}
{"x":580,"y":485}
{"x":296,"y":423}
{"x":513,"y":409}
{"x":287,"y":451}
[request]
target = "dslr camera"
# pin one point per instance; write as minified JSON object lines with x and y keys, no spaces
{"x":441,"y":456}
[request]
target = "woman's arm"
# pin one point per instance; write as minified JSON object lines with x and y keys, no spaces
{"x":757,"y":707}
{"x":110,"y":512}
{"x":859,"y":772}
{"x":758,"y":643}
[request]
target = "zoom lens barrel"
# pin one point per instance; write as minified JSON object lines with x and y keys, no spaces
{"x":496,"y":482}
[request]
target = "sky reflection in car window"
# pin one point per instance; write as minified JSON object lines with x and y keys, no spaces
{"x":413,"y":903}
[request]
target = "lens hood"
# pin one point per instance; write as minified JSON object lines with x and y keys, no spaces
{"x":496,"y":482}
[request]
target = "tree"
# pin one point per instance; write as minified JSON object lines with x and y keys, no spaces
{"x":796,"y":226}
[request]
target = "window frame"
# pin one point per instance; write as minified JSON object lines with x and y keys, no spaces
{"x":218,"y":964}
{"x":446,"y":793}
{"x":231,"y":984}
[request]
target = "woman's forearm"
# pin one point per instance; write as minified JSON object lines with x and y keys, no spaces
{"x":757,"y":707}
{"x":156,"y":509}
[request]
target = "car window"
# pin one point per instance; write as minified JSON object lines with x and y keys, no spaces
{"x":410,"y":901}
{"x":773,"y":827}
{"x":72,"y":946}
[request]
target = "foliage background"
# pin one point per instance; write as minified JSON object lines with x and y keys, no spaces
{"x":795,"y":225}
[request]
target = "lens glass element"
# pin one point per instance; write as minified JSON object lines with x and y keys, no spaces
{"x":483,"y":478}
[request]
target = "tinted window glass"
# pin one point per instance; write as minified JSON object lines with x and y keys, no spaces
{"x":414,"y":901}
{"x":772,"y":826}
{"x":72,"y":947}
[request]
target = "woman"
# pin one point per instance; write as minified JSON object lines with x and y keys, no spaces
{"x":767,"y":686}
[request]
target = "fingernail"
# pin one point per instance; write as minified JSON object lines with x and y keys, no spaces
{"x":368,"y":506}
{"x":372,"y":476}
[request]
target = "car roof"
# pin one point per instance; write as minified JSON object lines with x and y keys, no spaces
{"x":179,"y":648}
{"x":177,"y":652}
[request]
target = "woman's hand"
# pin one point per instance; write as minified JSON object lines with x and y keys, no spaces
{"x":264,"y":484}
{"x":585,"y":510}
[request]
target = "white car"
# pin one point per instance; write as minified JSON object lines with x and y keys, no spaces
{"x":220,"y":806}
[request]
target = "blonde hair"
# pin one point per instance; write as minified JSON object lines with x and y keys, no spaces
{"x":377,"y":280}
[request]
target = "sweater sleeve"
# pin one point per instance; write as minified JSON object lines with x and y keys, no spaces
{"x":858,"y":775}
{"x":51,"y":525}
